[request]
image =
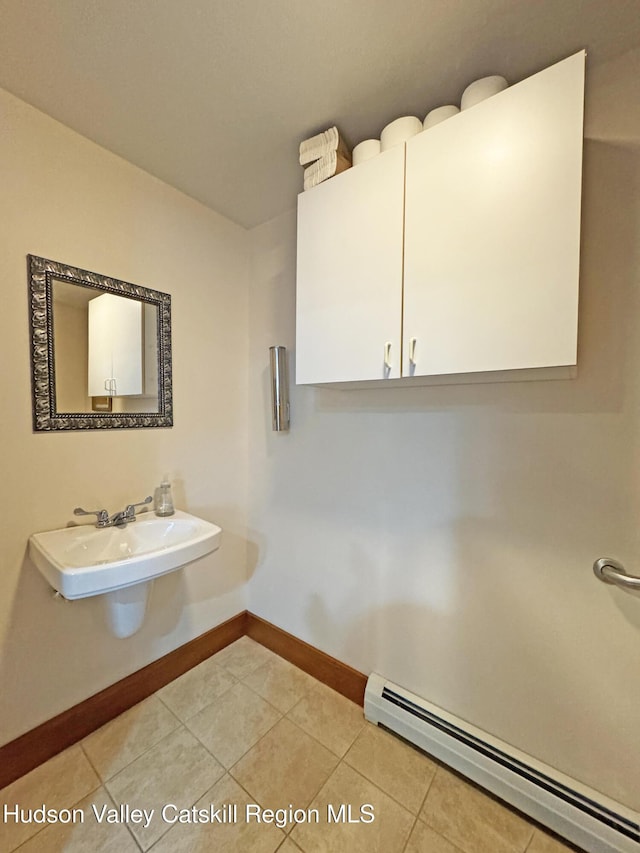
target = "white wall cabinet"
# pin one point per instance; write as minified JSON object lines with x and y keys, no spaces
{"x":349,"y":293}
{"x":467,"y":237}
{"x":115,"y":346}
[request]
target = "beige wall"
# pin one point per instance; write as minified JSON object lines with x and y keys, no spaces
{"x":64,"y":198}
{"x":71,"y":347}
{"x":444,"y":536}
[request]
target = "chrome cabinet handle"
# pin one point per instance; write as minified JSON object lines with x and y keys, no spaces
{"x":609,"y":570}
{"x":387,"y":355}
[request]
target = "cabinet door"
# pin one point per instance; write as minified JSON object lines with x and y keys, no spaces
{"x":115,"y":346}
{"x":349,"y":278}
{"x":492,"y":231}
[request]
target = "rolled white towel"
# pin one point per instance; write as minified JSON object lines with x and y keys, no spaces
{"x":482,"y":89}
{"x":365,"y":150}
{"x":399,"y":131}
{"x":440,"y":114}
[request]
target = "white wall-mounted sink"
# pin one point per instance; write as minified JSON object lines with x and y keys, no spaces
{"x":83,"y":561}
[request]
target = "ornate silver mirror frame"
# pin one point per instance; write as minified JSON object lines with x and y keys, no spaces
{"x":46,"y":416}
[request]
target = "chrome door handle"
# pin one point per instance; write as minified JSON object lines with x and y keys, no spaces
{"x":412,"y":351}
{"x":609,"y":570}
{"x":387,"y":355}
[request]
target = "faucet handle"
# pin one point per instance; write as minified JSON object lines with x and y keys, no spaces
{"x":102,"y":515}
{"x":130,"y":509}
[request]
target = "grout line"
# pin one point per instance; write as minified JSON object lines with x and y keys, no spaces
{"x":73,"y":805}
{"x":204,"y":707}
{"x":247,"y":751}
{"x":406,"y":843}
{"x":316,"y":792}
{"x":103,"y":781}
{"x":126,"y":825}
{"x":142,"y":754}
{"x":26,"y":840}
{"x":443,"y":768}
{"x":162,"y":702}
{"x":375,"y":784}
{"x":271,"y":656}
{"x":249,"y":748}
{"x":191,"y":804}
{"x":253,"y":799}
{"x":530,"y":841}
{"x":379,"y":789}
{"x":308,"y":734}
{"x":291,"y":841}
{"x":90,"y":762}
{"x":429,"y":786}
{"x":421,"y":806}
{"x":317,"y":740}
{"x":260,"y":696}
{"x":281,"y":717}
{"x":439,"y":768}
{"x":279,"y":660}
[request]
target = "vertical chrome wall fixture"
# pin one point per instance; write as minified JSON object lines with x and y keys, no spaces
{"x":279,"y":389}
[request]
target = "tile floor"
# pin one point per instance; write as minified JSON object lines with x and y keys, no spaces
{"x":246,"y":727}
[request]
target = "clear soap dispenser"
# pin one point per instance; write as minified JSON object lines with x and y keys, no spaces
{"x":163,"y":498}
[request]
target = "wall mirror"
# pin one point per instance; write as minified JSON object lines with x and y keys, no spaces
{"x":100,"y":350}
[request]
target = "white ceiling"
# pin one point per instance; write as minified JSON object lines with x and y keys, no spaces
{"x":214,"y":96}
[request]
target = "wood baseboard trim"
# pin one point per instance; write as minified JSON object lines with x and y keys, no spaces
{"x":42,"y":743}
{"x":325,"y":668}
{"x":48,"y":739}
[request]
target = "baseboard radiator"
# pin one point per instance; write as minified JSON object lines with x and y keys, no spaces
{"x":581,"y":815}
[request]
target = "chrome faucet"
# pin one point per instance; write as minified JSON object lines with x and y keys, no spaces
{"x":118,"y":519}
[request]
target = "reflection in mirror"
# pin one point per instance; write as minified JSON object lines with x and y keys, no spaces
{"x":101,"y":350}
{"x":105,"y":351}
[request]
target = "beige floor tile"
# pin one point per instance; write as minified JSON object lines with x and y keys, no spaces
{"x":280,"y":683}
{"x":288,"y":846}
{"x":423,"y":839}
{"x":232,"y":724}
{"x":194,"y":690}
{"x":387,"y":833}
{"x":79,"y":837}
{"x":177,"y":770}
{"x":286,"y":767}
{"x":128,"y":736}
{"x":243,"y":656}
{"x":473,"y":821}
{"x":543,"y":843}
{"x":329,"y":717}
{"x":238,"y":837}
{"x":401,"y":771}
{"x":58,"y":784}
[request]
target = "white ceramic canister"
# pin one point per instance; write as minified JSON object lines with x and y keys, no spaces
{"x":399,"y":131}
{"x":365,"y":151}
{"x":482,"y":89}
{"x":440,"y":114}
